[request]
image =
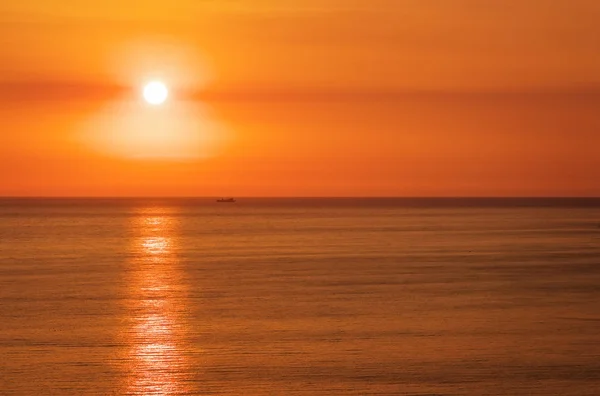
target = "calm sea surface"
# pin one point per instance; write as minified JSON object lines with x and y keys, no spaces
{"x":299,"y":297}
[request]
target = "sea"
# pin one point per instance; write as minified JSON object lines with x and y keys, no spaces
{"x":300,"y":296}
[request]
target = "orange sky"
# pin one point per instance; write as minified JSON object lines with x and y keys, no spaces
{"x":311,"y":98}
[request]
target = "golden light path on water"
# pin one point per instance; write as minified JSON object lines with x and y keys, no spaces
{"x":158,"y":364}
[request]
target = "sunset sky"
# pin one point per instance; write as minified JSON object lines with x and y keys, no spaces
{"x":300,"y":98}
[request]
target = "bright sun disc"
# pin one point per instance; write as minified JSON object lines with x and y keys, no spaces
{"x":155,"y":92}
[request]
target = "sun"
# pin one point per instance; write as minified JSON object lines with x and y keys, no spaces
{"x":155,"y":92}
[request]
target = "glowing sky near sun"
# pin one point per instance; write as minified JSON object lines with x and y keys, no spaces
{"x":320,"y":97}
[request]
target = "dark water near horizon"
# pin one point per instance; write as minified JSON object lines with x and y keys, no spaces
{"x":300,"y":297}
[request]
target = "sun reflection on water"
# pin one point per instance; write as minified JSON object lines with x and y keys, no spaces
{"x":156,"y":308}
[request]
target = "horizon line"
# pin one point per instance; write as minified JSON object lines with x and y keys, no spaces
{"x":296,"y":197}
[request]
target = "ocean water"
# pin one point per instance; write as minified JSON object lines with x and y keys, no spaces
{"x":299,"y":297}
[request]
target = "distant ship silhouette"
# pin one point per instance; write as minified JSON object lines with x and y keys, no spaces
{"x":231,"y":200}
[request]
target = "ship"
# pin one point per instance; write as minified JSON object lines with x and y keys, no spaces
{"x":227,"y":200}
